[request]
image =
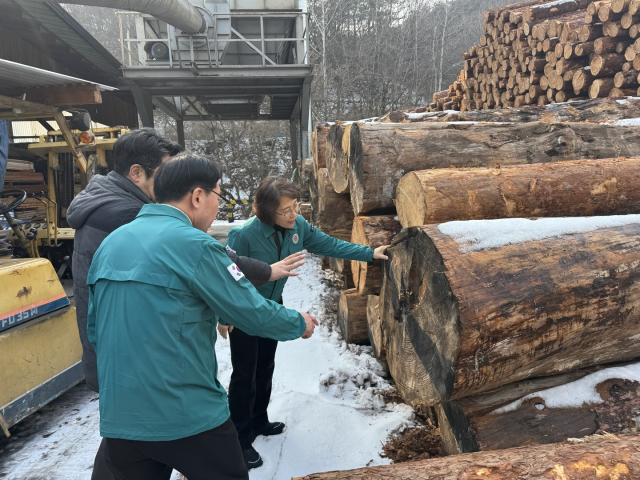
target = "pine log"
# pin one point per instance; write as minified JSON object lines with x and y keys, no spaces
{"x":461,"y":320}
{"x":588,"y":33}
{"x":476,"y":423}
{"x":386,"y":152}
{"x":626,"y":79}
{"x":618,"y":6}
{"x":604,"y":45}
{"x":335,"y":215}
{"x":373,"y":232}
{"x":352,"y":317}
{"x":582,"y":79}
{"x":584,"y":49}
{"x":622,"y":92}
{"x":606,"y":65}
{"x":337,"y":158}
{"x":563,"y":189}
{"x":375,"y":326}
{"x":601,"y":87}
{"x":605,"y":457}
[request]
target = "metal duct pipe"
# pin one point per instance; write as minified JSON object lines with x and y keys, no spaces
{"x":179,"y":13}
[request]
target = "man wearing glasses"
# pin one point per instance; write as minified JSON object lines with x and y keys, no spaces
{"x":275,"y":232}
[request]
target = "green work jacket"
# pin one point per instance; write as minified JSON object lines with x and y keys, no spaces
{"x":157,"y":288}
{"x":255,"y":239}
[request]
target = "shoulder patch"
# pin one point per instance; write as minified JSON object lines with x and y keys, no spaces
{"x":235,"y":272}
{"x":229,"y":249}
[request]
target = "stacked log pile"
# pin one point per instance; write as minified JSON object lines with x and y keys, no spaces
{"x":538,"y":52}
{"x":466,"y":327}
{"x":465,"y":330}
{"x":21,"y":175}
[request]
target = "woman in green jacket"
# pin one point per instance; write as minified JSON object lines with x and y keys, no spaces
{"x":274,"y":233}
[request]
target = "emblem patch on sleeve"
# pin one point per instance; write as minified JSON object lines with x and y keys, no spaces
{"x":229,"y":249}
{"x":235,"y":272}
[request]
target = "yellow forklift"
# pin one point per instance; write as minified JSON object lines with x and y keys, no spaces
{"x":40,"y":351}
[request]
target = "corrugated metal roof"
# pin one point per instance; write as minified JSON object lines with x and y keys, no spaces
{"x":58,"y":21}
{"x":16,"y":76}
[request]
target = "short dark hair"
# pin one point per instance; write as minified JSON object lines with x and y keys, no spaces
{"x":268,"y":196}
{"x":182,"y":174}
{"x":144,"y":147}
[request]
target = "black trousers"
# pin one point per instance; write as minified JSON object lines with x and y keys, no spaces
{"x":253,"y":360}
{"x":211,"y":455}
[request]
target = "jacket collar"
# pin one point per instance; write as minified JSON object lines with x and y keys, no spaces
{"x":268,"y":230}
{"x":128,"y":186}
{"x":161,"y":210}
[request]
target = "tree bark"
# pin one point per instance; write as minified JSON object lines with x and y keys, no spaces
{"x":563,"y":189}
{"x":475,"y":424}
{"x":372,"y":232}
{"x":606,"y":457}
{"x":383,"y":153}
{"x":606,"y":65}
{"x":601,"y":87}
{"x":459,"y":322}
{"x":352,"y":316}
{"x":375,"y":326}
{"x":334,"y":216}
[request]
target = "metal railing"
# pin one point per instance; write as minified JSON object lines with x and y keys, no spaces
{"x":133,"y":52}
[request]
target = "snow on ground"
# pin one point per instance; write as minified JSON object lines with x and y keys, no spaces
{"x":578,"y":393}
{"x":324,"y":390}
{"x":480,"y":234}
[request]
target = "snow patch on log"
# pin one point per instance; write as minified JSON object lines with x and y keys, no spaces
{"x":628,"y":122}
{"x":473,"y":235}
{"x":578,"y":393}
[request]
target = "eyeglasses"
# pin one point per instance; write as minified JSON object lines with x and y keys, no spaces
{"x":213,"y":191}
{"x":290,"y":212}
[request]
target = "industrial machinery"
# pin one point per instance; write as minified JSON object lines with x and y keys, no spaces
{"x":40,"y":349}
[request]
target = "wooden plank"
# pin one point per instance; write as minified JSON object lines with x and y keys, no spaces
{"x":68,"y":95}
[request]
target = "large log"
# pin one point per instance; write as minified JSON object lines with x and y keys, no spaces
{"x":563,"y":189}
{"x":352,"y":316}
{"x":338,"y":157}
{"x":334,"y":215}
{"x":483,"y":423}
{"x":460,"y":319}
{"x":372,"y":232}
{"x":383,"y":153}
{"x":374,"y":324}
{"x":600,"y":110}
{"x":600,"y":456}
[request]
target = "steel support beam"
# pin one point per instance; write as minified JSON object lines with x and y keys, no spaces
{"x":180,"y":128}
{"x":167,"y":108}
{"x":305,"y":128}
{"x":144,"y":104}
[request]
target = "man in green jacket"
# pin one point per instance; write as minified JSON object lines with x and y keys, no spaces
{"x":158,"y":287}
